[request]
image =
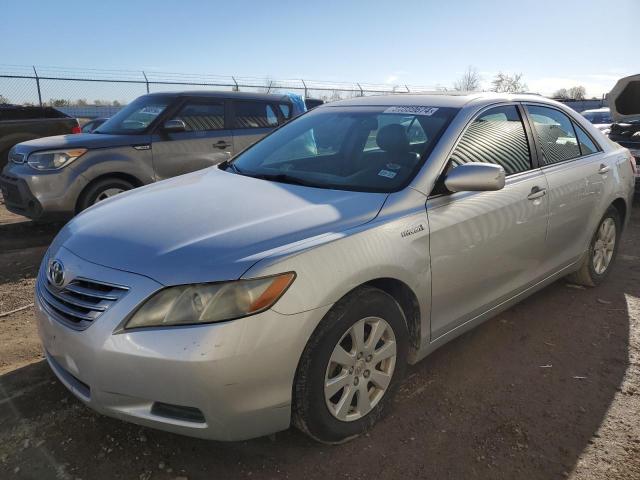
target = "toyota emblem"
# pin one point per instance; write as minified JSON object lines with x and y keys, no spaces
{"x":56,"y":273}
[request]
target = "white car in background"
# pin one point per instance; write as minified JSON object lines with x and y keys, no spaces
{"x":600,"y":118}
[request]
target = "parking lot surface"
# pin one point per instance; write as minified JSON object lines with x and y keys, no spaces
{"x":548,"y":389}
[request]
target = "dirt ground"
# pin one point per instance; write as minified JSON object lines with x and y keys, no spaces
{"x":548,"y":389}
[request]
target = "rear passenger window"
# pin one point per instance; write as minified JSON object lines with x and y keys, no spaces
{"x":496,"y":136}
{"x":555,"y":133}
{"x":587,"y":147}
{"x":255,"y":115}
{"x":202,"y":116}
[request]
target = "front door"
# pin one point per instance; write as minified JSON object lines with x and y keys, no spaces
{"x":487,"y":246}
{"x":205,"y":142}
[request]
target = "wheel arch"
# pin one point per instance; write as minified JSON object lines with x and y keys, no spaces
{"x":408,"y":302}
{"x":621,"y":206}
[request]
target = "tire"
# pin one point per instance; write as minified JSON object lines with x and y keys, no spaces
{"x":315,"y":413}
{"x":102,"y":189}
{"x":588,"y":274}
{"x":4,"y":158}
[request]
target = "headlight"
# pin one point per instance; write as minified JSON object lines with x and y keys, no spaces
{"x":210,"y":302}
{"x":55,"y":159}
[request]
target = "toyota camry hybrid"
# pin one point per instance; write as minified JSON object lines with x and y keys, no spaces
{"x":292,"y":284}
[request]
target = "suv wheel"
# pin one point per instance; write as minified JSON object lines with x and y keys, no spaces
{"x":102,"y":190}
{"x":351,"y":367}
{"x":602,"y":251}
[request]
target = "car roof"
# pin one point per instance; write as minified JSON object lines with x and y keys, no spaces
{"x":438,"y":99}
{"x":222,"y":94}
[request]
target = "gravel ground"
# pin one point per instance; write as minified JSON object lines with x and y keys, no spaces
{"x":548,"y":389}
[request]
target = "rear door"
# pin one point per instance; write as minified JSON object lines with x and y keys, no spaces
{"x":578,"y":174}
{"x":487,"y":246}
{"x":252,"y":120}
{"x":206,"y":141}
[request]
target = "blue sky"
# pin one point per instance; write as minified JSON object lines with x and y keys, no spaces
{"x":553,"y":43}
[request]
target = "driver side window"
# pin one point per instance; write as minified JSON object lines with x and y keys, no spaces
{"x":495,"y":136}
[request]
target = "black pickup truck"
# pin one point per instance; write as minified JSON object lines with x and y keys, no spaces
{"x":19,"y":124}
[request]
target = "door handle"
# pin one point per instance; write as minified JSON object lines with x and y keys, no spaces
{"x":604,"y":169}
{"x":537,"y":192}
{"x":221,"y":145}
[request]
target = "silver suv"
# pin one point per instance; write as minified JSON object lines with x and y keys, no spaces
{"x":155,"y":137}
{"x":294,"y":283}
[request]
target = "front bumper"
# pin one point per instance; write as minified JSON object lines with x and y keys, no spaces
{"x":41,"y":195}
{"x":224,"y":381}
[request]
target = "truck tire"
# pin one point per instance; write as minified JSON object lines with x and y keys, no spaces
{"x":4,"y":158}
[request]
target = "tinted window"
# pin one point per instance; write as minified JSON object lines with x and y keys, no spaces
{"x":555,"y":133}
{"x":201,"y":116}
{"x":255,"y":115}
{"x":587,"y":147}
{"x":285,"y":108}
{"x":496,"y":136}
{"x":366,"y":149}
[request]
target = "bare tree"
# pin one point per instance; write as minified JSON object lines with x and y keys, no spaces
{"x":3,"y":99}
{"x":469,"y":82}
{"x":561,"y":93}
{"x":574,"y":93}
{"x":505,"y":83}
{"x":577,"y":93}
{"x":58,"y":102}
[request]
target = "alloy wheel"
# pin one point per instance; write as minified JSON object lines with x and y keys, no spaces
{"x":360,"y":369}
{"x":108,"y":193}
{"x":604,"y":246}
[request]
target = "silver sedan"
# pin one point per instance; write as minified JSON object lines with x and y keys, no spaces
{"x":293,"y":284}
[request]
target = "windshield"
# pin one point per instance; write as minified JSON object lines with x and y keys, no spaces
{"x":373,"y":149}
{"x":135,"y":117}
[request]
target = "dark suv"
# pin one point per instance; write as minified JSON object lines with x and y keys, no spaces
{"x":157,"y":136}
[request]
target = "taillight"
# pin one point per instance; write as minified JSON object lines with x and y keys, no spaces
{"x":76,"y":128}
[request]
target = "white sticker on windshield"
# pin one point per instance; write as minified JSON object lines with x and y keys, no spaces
{"x":387,"y":173}
{"x":413,"y":110}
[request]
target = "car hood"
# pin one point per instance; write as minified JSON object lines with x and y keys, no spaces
{"x":80,"y":140}
{"x":209,"y":225}
{"x":624,"y":99}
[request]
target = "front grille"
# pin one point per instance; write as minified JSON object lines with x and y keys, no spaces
{"x":80,"y":302}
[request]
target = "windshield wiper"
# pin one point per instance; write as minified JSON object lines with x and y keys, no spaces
{"x":281,"y":178}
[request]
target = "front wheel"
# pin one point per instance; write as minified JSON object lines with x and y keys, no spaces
{"x":602,"y":251}
{"x":101,"y":190}
{"x":351,"y":367}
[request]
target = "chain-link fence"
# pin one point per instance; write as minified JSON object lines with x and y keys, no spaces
{"x":91,"y":93}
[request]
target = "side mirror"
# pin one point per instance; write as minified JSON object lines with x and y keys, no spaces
{"x":475,"y":177}
{"x":174,"y":125}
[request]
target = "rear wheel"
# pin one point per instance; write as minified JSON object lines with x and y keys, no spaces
{"x":602,"y":251}
{"x":351,"y":367}
{"x":102,"y":190}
